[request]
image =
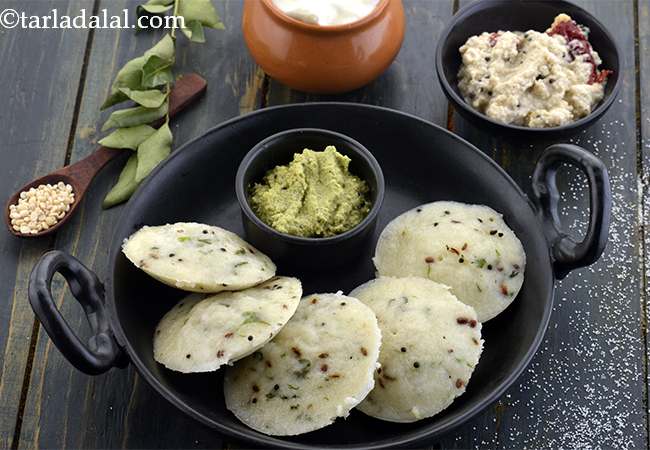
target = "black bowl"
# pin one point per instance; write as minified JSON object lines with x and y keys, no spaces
{"x":293,"y":252}
{"x":520,"y":15}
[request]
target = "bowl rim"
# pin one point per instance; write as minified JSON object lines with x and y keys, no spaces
{"x":460,"y":102}
{"x":359,"y":23}
{"x":407,"y":438}
{"x":262,"y":146}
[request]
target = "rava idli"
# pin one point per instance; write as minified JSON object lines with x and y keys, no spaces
{"x":317,"y":368}
{"x":467,"y":247}
{"x":197,"y":258}
{"x":431,"y":343}
{"x":200,"y":334}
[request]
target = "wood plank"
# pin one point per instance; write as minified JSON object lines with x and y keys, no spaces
{"x":643,"y":17}
{"x":65,"y":408}
{"x":585,"y":387}
{"x":40,"y":74}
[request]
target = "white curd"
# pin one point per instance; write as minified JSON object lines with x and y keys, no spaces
{"x":327,"y":12}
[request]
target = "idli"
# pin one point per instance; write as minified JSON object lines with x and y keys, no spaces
{"x":197,"y":258}
{"x":200,"y":334}
{"x":467,"y":247}
{"x":317,"y":368}
{"x":431,"y":343}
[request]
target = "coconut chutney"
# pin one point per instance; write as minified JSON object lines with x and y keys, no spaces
{"x":533,"y":79}
{"x":315,"y":195}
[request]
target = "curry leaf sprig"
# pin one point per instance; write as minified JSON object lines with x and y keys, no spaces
{"x":146,"y":81}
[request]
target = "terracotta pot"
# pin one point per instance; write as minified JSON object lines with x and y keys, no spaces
{"x":323,"y":59}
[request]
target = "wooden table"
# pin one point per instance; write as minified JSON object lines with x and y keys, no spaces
{"x":587,"y":385}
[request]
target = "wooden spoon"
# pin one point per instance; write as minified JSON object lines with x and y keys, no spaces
{"x":79,"y":175}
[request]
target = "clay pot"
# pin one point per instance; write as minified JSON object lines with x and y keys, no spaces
{"x":323,"y":59}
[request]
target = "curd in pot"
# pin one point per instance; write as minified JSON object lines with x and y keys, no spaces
{"x":327,"y":12}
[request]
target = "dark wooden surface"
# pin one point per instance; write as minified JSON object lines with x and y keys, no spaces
{"x":587,"y":385}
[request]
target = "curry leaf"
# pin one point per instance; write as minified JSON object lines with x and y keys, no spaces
{"x":125,"y":186}
{"x":152,"y":98}
{"x":160,"y":2}
{"x":164,"y":49}
{"x":154,"y":9}
{"x":156,"y":72}
{"x":137,"y":81}
{"x":128,"y":137}
{"x":131,"y":117}
{"x":153,"y":150}
{"x":113,"y":99}
{"x":129,"y":76}
{"x":194,"y":31}
{"x":201,"y":11}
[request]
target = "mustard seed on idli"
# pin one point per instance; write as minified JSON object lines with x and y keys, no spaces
{"x":318,"y":368}
{"x":197,"y":258}
{"x":201,"y":334}
{"x":431,"y":343}
{"x":467,"y":247}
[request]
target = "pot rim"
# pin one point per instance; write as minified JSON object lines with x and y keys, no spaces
{"x":251,"y":436}
{"x":360,"y":23}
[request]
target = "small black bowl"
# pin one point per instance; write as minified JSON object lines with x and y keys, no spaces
{"x":520,"y":15}
{"x":293,"y":252}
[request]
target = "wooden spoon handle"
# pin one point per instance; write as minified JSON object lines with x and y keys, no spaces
{"x":186,"y":90}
